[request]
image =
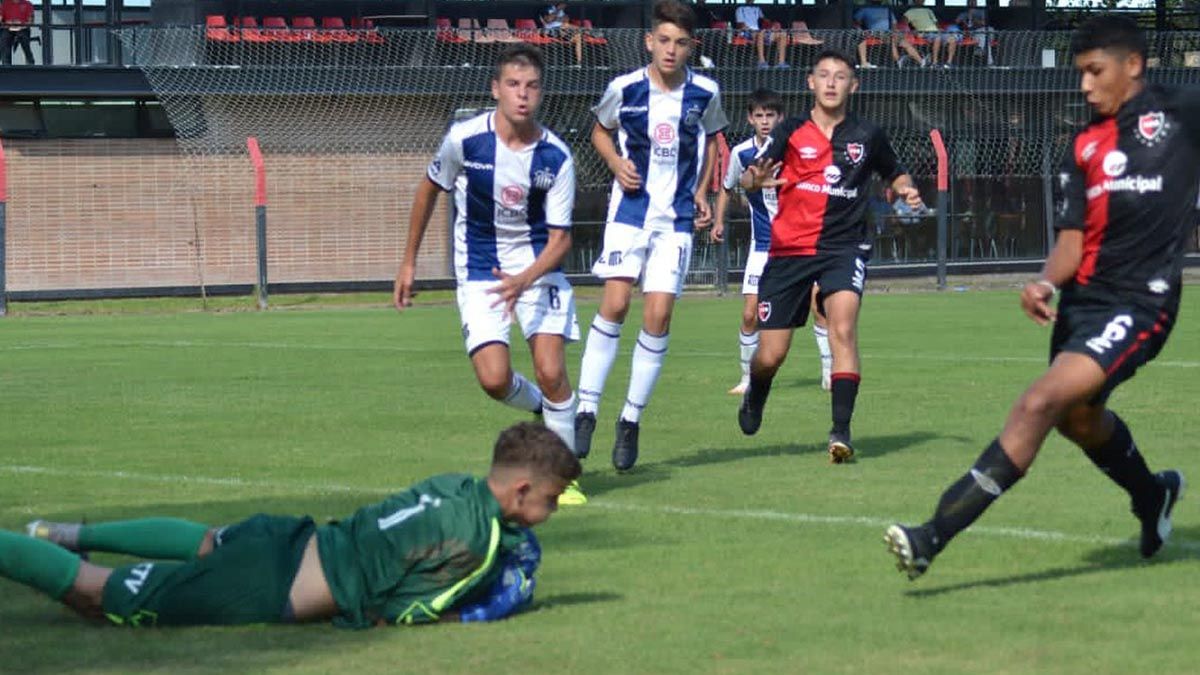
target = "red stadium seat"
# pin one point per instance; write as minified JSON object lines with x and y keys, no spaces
{"x":445,"y":32}
{"x":305,"y":27}
{"x":250,"y":31}
{"x":588,"y":37}
{"x":277,"y":30}
{"x":497,"y":30}
{"x":526,"y":30}
{"x":217,"y":30}
{"x":367,"y":31}
{"x":333,"y":29}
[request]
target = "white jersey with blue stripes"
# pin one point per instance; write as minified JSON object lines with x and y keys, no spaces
{"x":763,"y":203}
{"x":506,"y":201}
{"x":664,"y":134}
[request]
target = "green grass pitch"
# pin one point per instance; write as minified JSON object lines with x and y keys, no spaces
{"x":717,"y":554}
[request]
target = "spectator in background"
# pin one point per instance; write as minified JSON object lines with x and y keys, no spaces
{"x":749,"y":19}
{"x":878,"y":19}
{"x":925,"y":23}
{"x":17,"y":18}
{"x":973,"y":20}
{"x":558,"y":25}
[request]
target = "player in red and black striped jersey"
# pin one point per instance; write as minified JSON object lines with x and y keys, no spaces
{"x":820,"y":163}
{"x":1128,"y":193}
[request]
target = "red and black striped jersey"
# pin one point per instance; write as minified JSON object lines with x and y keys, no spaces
{"x":823,"y":205}
{"x":1130,"y":182}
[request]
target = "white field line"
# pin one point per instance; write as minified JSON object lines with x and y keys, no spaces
{"x":601,"y":504}
{"x":194,"y":344}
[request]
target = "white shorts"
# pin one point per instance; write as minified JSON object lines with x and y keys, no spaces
{"x":755,"y":262}
{"x":658,"y":259}
{"x":547,"y":307}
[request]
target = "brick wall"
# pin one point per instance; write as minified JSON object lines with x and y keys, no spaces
{"x":93,"y":214}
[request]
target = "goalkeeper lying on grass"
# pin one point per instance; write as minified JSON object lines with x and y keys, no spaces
{"x":451,"y":547}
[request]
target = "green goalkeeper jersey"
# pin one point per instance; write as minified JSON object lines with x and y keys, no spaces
{"x":415,"y":554}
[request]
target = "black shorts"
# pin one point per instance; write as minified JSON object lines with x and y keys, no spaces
{"x":1116,"y":333}
{"x":786,"y":285}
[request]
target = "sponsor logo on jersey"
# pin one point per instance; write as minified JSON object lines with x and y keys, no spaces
{"x":481,"y":166}
{"x":855,"y":152}
{"x":832,"y":191}
{"x":833,"y":175}
{"x":1151,"y":127}
{"x":634,"y":109}
{"x":665,"y":150}
{"x":543,"y":179}
{"x":1138,"y":184}
{"x":512,"y":195}
{"x":764,"y":311}
{"x":1089,"y":150}
{"x":1114,"y":163}
{"x":1158,"y":286}
{"x":808,"y":152}
{"x":664,"y":134}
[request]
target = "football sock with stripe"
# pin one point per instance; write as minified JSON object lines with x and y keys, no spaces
{"x":155,"y":538}
{"x":748,"y":343}
{"x":1120,"y":460}
{"x":560,"y":418}
{"x":843,"y":393}
{"x":602,"y":342}
{"x":648,"y":357}
{"x":523,"y":394}
{"x":821,"y":335}
{"x":47,"y":567}
{"x":967,"y":499}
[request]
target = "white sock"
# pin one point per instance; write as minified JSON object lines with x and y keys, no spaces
{"x":647,"y":362}
{"x":598,"y":356}
{"x":560,"y":418}
{"x":821,"y":334}
{"x":749,"y":343}
{"x":523,"y":394}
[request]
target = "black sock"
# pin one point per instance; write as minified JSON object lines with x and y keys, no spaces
{"x":1119,"y":458}
{"x":760,"y":389}
{"x":843,"y":391}
{"x":964,"y":501}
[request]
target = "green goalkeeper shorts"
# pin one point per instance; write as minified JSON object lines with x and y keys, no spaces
{"x":246,"y":579}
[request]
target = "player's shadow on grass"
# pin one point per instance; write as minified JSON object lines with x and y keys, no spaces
{"x":569,"y":599}
{"x":866,"y":449}
{"x":595,"y":484}
{"x":1185,"y":548}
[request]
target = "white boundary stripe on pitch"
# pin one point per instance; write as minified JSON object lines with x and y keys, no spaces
{"x":736,"y":514}
{"x":192,"y":344}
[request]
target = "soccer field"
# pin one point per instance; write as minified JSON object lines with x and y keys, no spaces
{"x":718,"y":553}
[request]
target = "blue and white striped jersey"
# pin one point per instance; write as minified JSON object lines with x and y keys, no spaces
{"x":763,"y":203}
{"x":663,"y":133}
{"x":506,"y":200}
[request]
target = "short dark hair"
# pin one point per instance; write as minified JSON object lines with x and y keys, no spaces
{"x":1109,"y":32}
{"x":836,"y":56}
{"x":673,"y":11}
{"x":522,"y":55}
{"x":767,"y":99}
{"x":533,"y":446}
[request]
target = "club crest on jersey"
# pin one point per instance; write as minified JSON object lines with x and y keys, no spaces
{"x":512,"y":195}
{"x":692,"y":118}
{"x":543,"y":179}
{"x":1151,"y":127}
{"x":664,"y":134}
{"x":764,"y":311}
{"x":855,"y":152}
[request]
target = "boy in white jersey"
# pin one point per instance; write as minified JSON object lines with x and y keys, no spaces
{"x":763,"y":112}
{"x":514,"y":191}
{"x":666,"y":118}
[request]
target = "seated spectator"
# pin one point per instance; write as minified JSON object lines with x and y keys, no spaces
{"x":17,"y":17}
{"x":558,"y":25}
{"x":974,"y":22}
{"x":925,"y":23}
{"x":749,"y":19}
{"x":877,"y":19}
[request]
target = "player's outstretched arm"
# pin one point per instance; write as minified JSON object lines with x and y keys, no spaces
{"x":418,"y":220}
{"x":903,"y":186}
{"x":761,"y":174}
{"x":1060,"y":266}
{"x":622,"y":169}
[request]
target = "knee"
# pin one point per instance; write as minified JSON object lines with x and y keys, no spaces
{"x":769,"y":356}
{"x":550,"y":376}
{"x":1081,"y":425}
{"x":749,"y":320}
{"x":495,"y":383}
{"x":842,"y":333}
{"x":1038,"y":404}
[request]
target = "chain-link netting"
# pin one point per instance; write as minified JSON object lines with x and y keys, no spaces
{"x":349,"y":118}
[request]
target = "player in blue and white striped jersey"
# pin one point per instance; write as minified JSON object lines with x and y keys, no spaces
{"x":666,"y":119}
{"x":764,"y":110}
{"x":514,"y":191}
